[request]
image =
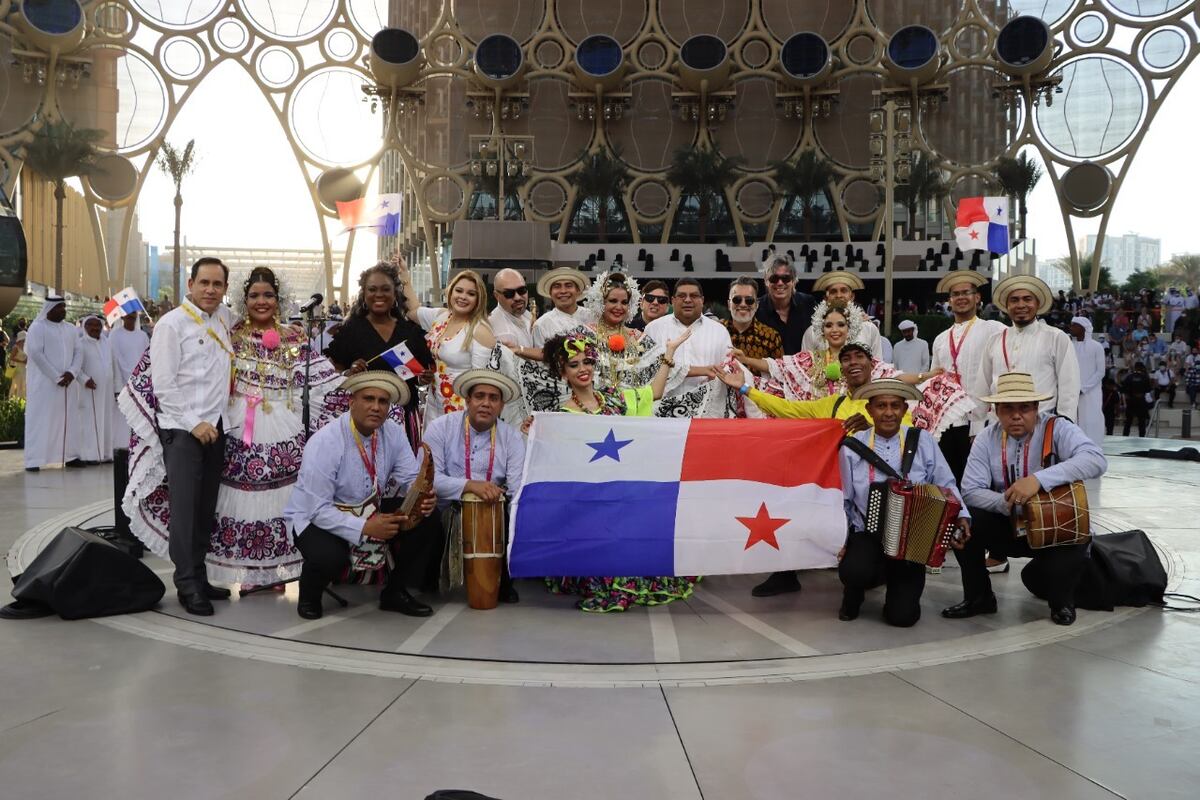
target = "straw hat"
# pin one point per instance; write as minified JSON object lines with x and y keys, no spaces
{"x":887,"y":386}
{"x":561,"y":274}
{"x":487,"y":377}
{"x":1016,"y":387}
{"x":1027,"y":282}
{"x":960,"y":276}
{"x":378,"y":379}
{"x":836,"y":277}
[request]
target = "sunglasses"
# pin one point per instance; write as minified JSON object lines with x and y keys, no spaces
{"x":743,"y":301}
{"x":509,"y":294}
{"x":780,"y":279}
{"x":660,"y":299}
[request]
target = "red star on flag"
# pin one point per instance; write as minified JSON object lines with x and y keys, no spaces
{"x":974,"y":234}
{"x":762,"y":527}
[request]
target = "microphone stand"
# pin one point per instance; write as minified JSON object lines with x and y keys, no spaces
{"x":305,"y":411}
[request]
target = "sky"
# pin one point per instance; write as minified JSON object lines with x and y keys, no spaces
{"x":248,"y":190}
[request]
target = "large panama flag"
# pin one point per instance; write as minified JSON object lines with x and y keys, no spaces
{"x":628,"y":496}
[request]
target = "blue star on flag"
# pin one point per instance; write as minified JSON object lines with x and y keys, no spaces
{"x":609,"y":448}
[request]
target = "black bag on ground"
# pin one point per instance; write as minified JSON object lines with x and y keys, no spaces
{"x":1124,"y":570}
{"x":80,"y":575}
{"x":458,"y":794}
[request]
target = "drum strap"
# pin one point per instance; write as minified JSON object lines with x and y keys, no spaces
{"x":1048,"y":457}
{"x":911,"y":441}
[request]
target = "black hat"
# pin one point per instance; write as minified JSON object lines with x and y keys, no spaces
{"x":850,"y":347}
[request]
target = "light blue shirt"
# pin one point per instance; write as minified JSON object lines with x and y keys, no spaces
{"x":332,"y":471}
{"x":929,"y":466}
{"x":1078,"y":459}
{"x":446,"y":439}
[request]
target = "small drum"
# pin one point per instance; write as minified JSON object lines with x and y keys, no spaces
{"x":483,"y":550}
{"x":1056,"y":517}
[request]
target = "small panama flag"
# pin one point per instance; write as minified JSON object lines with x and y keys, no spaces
{"x":382,"y":216}
{"x":982,"y":224}
{"x":122,"y":304}
{"x":401,"y":359}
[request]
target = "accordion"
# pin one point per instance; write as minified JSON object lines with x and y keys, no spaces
{"x":1054,"y":518}
{"x":914,"y":521}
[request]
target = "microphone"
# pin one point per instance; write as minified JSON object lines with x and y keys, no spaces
{"x":312,"y":303}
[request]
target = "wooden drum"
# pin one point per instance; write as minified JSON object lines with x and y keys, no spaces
{"x":483,"y":550}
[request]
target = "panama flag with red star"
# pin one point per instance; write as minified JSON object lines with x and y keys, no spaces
{"x":607,"y":495}
{"x":981,"y":223}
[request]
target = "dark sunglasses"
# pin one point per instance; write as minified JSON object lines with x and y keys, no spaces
{"x":780,"y":279}
{"x":509,"y":294}
{"x":743,"y":301}
{"x":661,"y":299}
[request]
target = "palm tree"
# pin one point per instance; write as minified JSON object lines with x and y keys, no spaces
{"x":602,"y":177}
{"x":1017,"y":177}
{"x":807,"y":178}
{"x":59,"y":151}
{"x":1105,"y":281}
{"x":925,"y":184}
{"x":702,"y":172}
{"x":177,"y":165}
{"x":1185,"y":269}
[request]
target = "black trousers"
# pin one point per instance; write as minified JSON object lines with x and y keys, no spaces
{"x":193,"y":479}
{"x":955,"y":445}
{"x":1052,"y":574}
{"x":865,"y":566}
{"x":1137,"y":411}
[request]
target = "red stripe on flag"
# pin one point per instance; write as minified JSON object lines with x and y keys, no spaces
{"x":350,"y":212}
{"x":773,"y":451}
{"x":970,"y":209}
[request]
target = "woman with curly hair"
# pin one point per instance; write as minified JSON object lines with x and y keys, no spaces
{"x":378,"y":321}
{"x":264,"y":439}
{"x":574,"y":359}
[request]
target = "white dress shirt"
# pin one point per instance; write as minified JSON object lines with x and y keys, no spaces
{"x":507,"y":327}
{"x":972,"y":339}
{"x":1044,"y":352}
{"x":709,"y":343}
{"x":555,"y":322}
{"x":189,"y":365}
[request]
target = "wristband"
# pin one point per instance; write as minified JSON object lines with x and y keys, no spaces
{"x":744,"y":389}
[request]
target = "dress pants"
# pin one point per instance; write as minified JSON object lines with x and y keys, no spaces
{"x":1052,"y":575}
{"x":955,"y":445}
{"x":193,"y":480}
{"x":865,"y":566}
{"x":1139,"y":411}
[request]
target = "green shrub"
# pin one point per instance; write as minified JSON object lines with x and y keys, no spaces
{"x":12,"y":420}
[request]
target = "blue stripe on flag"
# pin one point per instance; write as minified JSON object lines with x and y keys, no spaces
{"x":601,"y":529}
{"x":997,"y":238}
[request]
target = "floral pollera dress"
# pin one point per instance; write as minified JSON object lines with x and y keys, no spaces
{"x":618,"y":594}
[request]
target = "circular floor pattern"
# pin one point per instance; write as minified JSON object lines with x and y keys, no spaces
{"x":720,"y":636}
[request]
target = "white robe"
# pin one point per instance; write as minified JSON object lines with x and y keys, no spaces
{"x":127,"y":350}
{"x":555,"y":322}
{"x":1090,"y":355}
{"x":1044,"y":352}
{"x":50,"y":424}
{"x":96,"y":407}
{"x":973,"y":339}
{"x":911,"y":355}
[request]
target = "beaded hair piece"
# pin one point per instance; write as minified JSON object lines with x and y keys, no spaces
{"x":854,"y":320}
{"x":581,"y":346}
{"x":593,"y":298}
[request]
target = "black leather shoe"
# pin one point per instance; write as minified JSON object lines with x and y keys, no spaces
{"x":196,"y":603}
{"x":848,"y":611}
{"x":778,"y":583}
{"x":216,"y":592}
{"x":308,"y":610}
{"x":402,"y":602}
{"x":75,"y":463}
{"x":33,"y":469}
{"x":1063,"y":616}
{"x":969,"y":608}
{"x":508,"y":594}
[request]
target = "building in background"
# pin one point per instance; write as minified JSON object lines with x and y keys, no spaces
{"x":1125,"y":255}
{"x":301,"y":271}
